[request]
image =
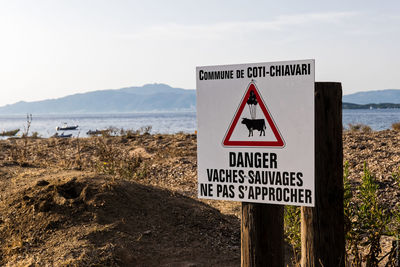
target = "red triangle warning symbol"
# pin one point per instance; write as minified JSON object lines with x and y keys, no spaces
{"x":251,"y":131}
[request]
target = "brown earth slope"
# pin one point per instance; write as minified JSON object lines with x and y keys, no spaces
{"x":113,"y":201}
{"x":70,"y":218}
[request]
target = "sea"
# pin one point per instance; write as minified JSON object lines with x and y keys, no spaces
{"x":45,"y":125}
{"x":164,"y":123}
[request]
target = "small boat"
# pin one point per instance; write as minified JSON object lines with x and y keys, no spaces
{"x":96,"y":132}
{"x":9,"y":133}
{"x":65,"y":127}
{"x":56,"y":135}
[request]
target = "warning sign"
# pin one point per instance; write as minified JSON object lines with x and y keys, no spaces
{"x":256,"y":132}
{"x":237,"y":134}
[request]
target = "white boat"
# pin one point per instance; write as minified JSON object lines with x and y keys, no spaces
{"x":65,"y":127}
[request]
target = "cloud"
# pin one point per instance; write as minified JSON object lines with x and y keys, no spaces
{"x":220,"y":31}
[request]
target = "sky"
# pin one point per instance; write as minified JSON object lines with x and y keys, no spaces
{"x":54,"y":48}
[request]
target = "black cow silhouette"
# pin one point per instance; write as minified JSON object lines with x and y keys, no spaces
{"x":258,"y":124}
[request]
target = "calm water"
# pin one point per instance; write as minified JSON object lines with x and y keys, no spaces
{"x":45,"y":125}
{"x":377,"y":119}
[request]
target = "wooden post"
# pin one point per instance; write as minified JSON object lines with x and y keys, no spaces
{"x":262,"y":235}
{"x":322,"y":227}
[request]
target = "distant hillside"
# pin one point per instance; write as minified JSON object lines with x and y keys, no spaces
{"x":379,"y":96}
{"x":148,"y":98}
{"x":162,"y":97}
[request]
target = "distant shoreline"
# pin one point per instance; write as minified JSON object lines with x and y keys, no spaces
{"x":346,"y":105}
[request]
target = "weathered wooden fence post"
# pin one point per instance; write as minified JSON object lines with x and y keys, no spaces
{"x":322,"y":227}
{"x":262,"y":235}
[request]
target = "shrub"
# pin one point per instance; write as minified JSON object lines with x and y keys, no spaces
{"x":292,"y":230}
{"x":368,"y":220}
{"x":366,"y":129}
{"x":35,"y":135}
{"x":145,"y":129}
{"x":28,"y":125}
{"x":396,"y":126}
{"x":354,"y":127}
{"x":114,"y":161}
{"x":359,"y":127}
{"x":129,"y":133}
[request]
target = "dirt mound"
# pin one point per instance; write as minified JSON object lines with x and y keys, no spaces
{"x":90,"y":219}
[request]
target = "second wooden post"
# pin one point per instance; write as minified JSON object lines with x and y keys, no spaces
{"x":262,"y":235}
{"x":322,"y":227}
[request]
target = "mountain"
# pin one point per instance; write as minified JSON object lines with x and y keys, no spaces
{"x":378,"y":96}
{"x":148,"y":98}
{"x":162,"y":97}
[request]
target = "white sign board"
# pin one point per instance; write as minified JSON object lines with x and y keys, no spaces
{"x":255,"y":137}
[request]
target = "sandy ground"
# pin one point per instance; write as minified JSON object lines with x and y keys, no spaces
{"x":117,"y":201}
{"x":131,"y":201}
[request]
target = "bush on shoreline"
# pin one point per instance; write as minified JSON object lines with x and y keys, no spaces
{"x":359,"y":127}
{"x":396,"y":126}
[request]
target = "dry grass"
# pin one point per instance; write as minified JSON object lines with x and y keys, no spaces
{"x":396,"y":126}
{"x":359,"y":127}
